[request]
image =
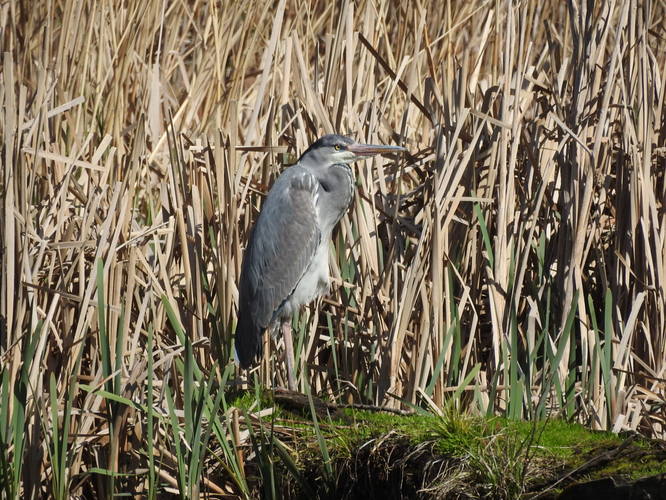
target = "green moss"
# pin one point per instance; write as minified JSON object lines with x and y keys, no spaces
{"x":561,"y":438}
{"x":367,"y":424}
{"x":634,"y":467}
{"x":454,"y":432}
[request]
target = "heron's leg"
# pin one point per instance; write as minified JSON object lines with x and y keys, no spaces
{"x":289,"y":351}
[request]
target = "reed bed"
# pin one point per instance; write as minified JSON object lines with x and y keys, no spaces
{"x":515,"y":258}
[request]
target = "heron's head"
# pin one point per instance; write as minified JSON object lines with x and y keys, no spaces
{"x":333,"y":149}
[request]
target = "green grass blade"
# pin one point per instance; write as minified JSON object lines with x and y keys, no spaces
{"x":150,"y":445}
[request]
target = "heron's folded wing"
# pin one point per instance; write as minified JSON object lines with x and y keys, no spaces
{"x":281,"y":248}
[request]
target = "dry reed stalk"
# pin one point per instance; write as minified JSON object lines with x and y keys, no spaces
{"x":524,"y":233}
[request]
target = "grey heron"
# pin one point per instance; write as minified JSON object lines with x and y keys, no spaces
{"x":285,"y":264}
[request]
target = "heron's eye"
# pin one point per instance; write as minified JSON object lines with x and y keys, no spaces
{"x":337,"y":147}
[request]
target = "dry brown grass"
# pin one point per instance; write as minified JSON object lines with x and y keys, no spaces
{"x":522,"y":240}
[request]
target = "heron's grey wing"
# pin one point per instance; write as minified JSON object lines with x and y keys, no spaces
{"x":282,"y":246}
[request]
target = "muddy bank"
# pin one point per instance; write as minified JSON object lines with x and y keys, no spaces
{"x":391,"y":468}
{"x":366,"y":455}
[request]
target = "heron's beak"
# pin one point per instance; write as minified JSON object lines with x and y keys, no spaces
{"x":373,"y":149}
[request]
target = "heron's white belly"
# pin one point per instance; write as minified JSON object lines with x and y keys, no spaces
{"x":314,"y":282}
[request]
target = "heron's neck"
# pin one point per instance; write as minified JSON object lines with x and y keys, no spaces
{"x":336,"y":191}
